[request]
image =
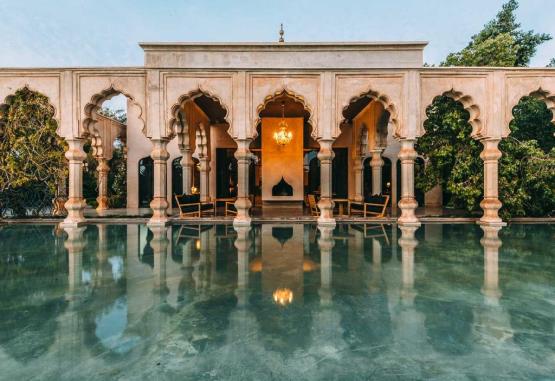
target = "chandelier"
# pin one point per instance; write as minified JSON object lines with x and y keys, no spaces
{"x":283,"y":136}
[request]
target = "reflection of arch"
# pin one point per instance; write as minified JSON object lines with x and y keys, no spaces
{"x":93,"y":106}
{"x":469,"y":105}
{"x":378,"y":97}
{"x":296,"y":98}
{"x":192,"y":95}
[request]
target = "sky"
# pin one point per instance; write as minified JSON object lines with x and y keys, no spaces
{"x":69,"y":33}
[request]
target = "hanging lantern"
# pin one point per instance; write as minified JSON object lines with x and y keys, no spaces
{"x":283,"y":136}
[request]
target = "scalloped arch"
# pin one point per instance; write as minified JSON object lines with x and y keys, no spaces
{"x":170,"y":132}
{"x":545,"y":96}
{"x":378,"y":97}
{"x":470,"y":106}
{"x":296,"y":97}
{"x":96,"y":101}
{"x":53,"y":108}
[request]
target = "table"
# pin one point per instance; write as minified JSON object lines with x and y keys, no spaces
{"x":341,"y":202}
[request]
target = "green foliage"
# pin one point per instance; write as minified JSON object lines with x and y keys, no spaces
{"x":551,"y":63}
{"x":453,"y":157}
{"x":32,"y":158}
{"x":117,"y":179}
{"x":500,"y":43}
{"x":119,"y":115}
{"x":527,"y":168}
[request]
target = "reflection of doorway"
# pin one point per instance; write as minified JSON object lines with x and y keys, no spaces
{"x":146,"y":181}
{"x":340,"y":165}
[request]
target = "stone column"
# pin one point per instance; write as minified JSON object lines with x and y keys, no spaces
{"x":358,"y":167}
{"x":159,"y":203}
{"x":491,"y":244}
{"x":326,"y":155}
{"x":187,"y":165}
{"x":394,"y":195}
{"x":325,"y":243}
{"x":103,"y":169}
{"x":243,"y":204}
{"x":377,"y":164}
{"x":491,"y":204}
{"x":408,"y":203}
{"x":204,"y":163}
{"x":75,"y":204}
{"x":408,"y":244}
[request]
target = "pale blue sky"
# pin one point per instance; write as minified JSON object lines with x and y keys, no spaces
{"x":106,"y":32}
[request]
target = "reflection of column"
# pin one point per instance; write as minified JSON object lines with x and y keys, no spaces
{"x":325,"y":243}
{"x":376,"y":279}
{"x":103,"y":169}
{"x":408,"y":203}
{"x":204,"y":168}
{"x":159,"y":246}
{"x":243,"y":204}
{"x":103,"y":270}
{"x":358,"y":167}
{"x":74,"y":245}
{"x":377,"y":164}
{"x":243,"y":244}
{"x":491,"y":243}
{"x":408,"y":244}
{"x":75,"y":204}
{"x":325,"y":155}
{"x":491,"y":204}
{"x":159,"y":203}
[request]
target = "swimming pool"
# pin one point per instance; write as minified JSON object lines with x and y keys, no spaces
{"x":291,"y":302}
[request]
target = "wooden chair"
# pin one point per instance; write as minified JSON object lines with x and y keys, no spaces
{"x":230,"y":209}
{"x":313,"y":205}
{"x":190,"y":206}
{"x":372,"y":206}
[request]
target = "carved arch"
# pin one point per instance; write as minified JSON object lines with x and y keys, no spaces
{"x":470,"y":106}
{"x":191,"y":95}
{"x":96,"y":101}
{"x":291,"y":94}
{"x":6,"y":102}
{"x":545,"y":96}
{"x":381,"y":98}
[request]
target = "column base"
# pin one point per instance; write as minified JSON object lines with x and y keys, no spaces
{"x":408,"y":218}
{"x":326,"y":222}
{"x":241,"y":221}
{"x":102,"y":203}
{"x":158,"y":222}
{"x":75,"y":213}
{"x":492,"y":222}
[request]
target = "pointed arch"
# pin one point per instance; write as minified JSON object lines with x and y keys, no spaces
{"x":377,"y":97}
{"x":469,"y":105}
{"x":284,"y":91}
{"x":95,"y":103}
{"x":175,"y":110}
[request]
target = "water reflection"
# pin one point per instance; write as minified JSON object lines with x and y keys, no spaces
{"x":140,"y":301}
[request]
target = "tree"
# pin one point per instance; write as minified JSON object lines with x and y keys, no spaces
{"x":500,"y":43}
{"x":32,"y":158}
{"x":551,"y":63}
{"x":525,"y":177}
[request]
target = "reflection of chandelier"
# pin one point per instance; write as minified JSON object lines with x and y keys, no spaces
{"x":283,"y":296}
{"x":283,"y":136}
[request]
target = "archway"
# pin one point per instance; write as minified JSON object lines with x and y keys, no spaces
{"x":527,"y":166}
{"x":204,"y":149}
{"x":146,"y":181}
{"x":451,"y":172}
{"x":286,"y":168}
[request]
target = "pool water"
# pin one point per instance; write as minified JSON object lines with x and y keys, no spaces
{"x":277,"y":302}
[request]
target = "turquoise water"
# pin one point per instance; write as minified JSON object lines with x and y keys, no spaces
{"x":277,"y":302}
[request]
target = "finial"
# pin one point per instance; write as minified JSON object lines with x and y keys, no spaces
{"x":281,"y":33}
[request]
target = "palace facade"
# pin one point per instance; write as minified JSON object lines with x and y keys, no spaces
{"x":269,"y":123}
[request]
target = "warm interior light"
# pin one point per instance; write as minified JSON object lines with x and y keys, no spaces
{"x":197,"y":244}
{"x":283,"y":296}
{"x":194,"y":190}
{"x":283,"y":136}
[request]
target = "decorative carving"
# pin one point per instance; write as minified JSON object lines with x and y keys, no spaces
{"x":93,"y":107}
{"x":378,"y":97}
{"x":176,"y":108}
{"x":297,"y":98}
{"x":547,"y":97}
